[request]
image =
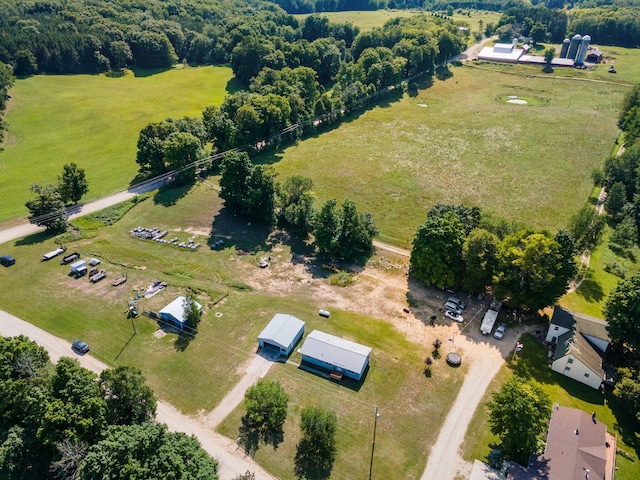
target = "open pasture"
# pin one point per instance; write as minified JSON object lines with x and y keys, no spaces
{"x":94,"y":121}
{"x":239,"y":299}
{"x":366,"y":20}
{"x":459,"y":141}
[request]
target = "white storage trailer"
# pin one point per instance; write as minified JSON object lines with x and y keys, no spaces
{"x":79,"y":268}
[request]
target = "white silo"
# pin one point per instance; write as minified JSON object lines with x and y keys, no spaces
{"x":514,"y":43}
{"x":584,"y":48}
{"x":565,"y":48}
{"x":574,"y":46}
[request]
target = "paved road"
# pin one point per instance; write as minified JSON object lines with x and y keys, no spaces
{"x":231,"y":460}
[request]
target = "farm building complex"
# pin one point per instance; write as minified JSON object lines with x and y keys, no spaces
{"x":573,"y":52}
{"x":339,"y":356}
{"x":283,"y":332}
{"x":174,"y":313}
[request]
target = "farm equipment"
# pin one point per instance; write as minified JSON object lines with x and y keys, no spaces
{"x":70,"y":258}
{"x":120,"y":280}
{"x":53,"y":253}
{"x":96,"y":277}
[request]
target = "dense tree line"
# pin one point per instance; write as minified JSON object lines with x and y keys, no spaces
{"x":608,"y":25}
{"x":252,"y":191}
{"x":456,"y":246}
{"x":6,"y":82}
{"x":621,"y":179}
{"x":540,"y":23}
{"x":63,"y":421}
{"x":70,"y":37}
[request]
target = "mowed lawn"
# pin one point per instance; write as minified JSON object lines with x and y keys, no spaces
{"x":460,"y":142}
{"x":94,"y":121}
{"x":531,"y":364}
{"x":197,"y":377}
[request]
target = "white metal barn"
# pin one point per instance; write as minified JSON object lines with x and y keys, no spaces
{"x":339,"y":356}
{"x":283,"y":332}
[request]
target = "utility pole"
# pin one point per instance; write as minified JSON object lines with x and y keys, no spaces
{"x":373,"y":445}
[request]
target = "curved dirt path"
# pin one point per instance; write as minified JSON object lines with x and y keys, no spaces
{"x":231,"y":461}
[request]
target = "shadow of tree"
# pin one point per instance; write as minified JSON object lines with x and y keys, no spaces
{"x":311,"y":464}
{"x":245,"y":235}
{"x":250,"y":436}
{"x":590,"y":289}
{"x":183,"y":340}
{"x":34,"y":238}
{"x":443,"y":73}
{"x":169,"y":195}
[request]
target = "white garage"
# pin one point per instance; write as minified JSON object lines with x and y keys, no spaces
{"x":283,"y":332}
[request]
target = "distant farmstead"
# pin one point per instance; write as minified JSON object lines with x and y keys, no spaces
{"x":283,"y":332}
{"x":174,"y":313}
{"x":336,"y":355}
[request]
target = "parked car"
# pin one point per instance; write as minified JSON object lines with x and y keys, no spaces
{"x":454,"y":316}
{"x":7,"y":260}
{"x":453,"y":307}
{"x":500,"y":331}
{"x":457,"y":301}
{"x":80,"y":346}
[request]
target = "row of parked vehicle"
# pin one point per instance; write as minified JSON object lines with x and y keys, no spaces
{"x":453,"y":309}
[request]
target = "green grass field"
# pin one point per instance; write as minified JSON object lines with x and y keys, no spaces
{"x":367,"y":20}
{"x":94,"y":121}
{"x":531,"y":363}
{"x":196,"y":378}
{"x":458,"y":141}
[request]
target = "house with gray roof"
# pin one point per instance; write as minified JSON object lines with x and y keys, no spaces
{"x":578,"y":344}
{"x":336,"y":355}
{"x":283,"y":332}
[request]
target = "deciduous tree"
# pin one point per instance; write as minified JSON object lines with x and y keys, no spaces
{"x":622,"y":312}
{"x":47,"y":208}
{"x":534,"y":270}
{"x":480,"y":254}
{"x":266,"y":403}
{"x":129,"y":400}
{"x":317,"y":448}
{"x":519,"y":413}
{"x":295,"y":202}
{"x":72,"y":184}
{"x":587,"y":228}
{"x":327,"y":226}
{"x":147,"y":451}
{"x":436,"y":256}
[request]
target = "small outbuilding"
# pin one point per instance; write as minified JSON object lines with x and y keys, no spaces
{"x":283,"y":333}
{"x":174,"y":313}
{"x":338,"y":356}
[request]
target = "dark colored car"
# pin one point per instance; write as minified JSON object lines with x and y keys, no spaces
{"x":80,"y":346}
{"x":7,"y":260}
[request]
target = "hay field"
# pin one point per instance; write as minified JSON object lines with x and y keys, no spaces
{"x":459,"y":141}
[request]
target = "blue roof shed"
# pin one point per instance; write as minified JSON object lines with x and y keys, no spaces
{"x":174,"y":313}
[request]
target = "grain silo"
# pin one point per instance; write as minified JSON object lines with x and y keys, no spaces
{"x":574,"y":46}
{"x":565,"y":48}
{"x":584,"y":48}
